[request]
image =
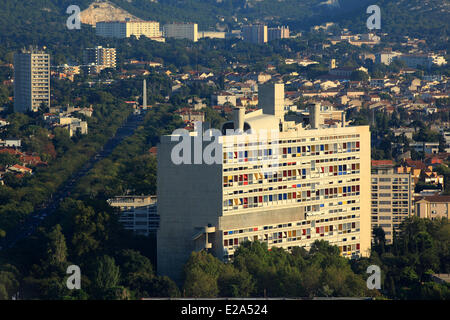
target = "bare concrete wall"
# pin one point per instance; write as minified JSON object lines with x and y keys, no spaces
{"x":189,"y":197}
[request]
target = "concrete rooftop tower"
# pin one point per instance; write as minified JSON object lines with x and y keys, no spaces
{"x":271,"y":99}
{"x":314,"y":112}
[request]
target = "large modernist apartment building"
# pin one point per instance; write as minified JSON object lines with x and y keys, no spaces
{"x":31,"y":80}
{"x":126,"y":29}
{"x":284,"y":184}
{"x":392,"y":197}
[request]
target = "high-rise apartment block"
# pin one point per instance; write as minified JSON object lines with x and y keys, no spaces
{"x":255,"y":34}
{"x":104,"y":57}
{"x":31,"y":80}
{"x":126,"y":29}
{"x":392,"y":197}
{"x":181,"y":31}
{"x":277,"y":33}
{"x":278,"y":182}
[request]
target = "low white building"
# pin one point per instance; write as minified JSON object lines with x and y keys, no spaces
{"x":3,"y":123}
{"x":221,"y":98}
{"x":426,"y":147}
{"x":11,"y":143}
{"x":426,"y":60}
{"x":386,"y":57}
{"x":212,"y":34}
{"x":74,"y":125}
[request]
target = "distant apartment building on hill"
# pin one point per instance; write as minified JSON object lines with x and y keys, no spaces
{"x":277,"y":33}
{"x":425,"y":60}
{"x":128,"y":28}
{"x":212,"y":34}
{"x":386,"y":57}
{"x":181,"y":31}
{"x":257,"y":34}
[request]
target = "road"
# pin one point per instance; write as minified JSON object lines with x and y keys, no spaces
{"x":34,"y":220}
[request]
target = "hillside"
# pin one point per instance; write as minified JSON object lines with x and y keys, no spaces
{"x":300,"y":14}
{"x":398,"y":16}
{"x":43,"y":22}
{"x":418,"y":18}
{"x":104,"y":11}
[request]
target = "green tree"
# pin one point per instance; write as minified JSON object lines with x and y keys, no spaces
{"x":56,"y":247}
{"x":9,"y":284}
{"x":235,"y":283}
{"x":8,"y":159}
{"x":201,"y":273}
{"x":359,"y":75}
{"x":107,"y":275}
{"x":379,"y":239}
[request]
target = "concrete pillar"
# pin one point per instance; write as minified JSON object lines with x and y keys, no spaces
{"x":144,"y":94}
{"x":314,"y":116}
{"x":238,"y":118}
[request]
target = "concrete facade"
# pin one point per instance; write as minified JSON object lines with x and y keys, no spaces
{"x":138,"y":213}
{"x":271,"y":98}
{"x":105,"y":57}
{"x":257,"y":34}
{"x":386,"y":57}
{"x":432,"y":207}
{"x":181,"y":31}
{"x":277,"y":33}
{"x":126,"y":29}
{"x":392,"y":197}
{"x":31,"y":80}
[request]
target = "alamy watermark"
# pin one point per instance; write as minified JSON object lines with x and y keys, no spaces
{"x":374,"y":21}
{"x":374,"y":280}
{"x":74,"y":280}
{"x":74,"y":20}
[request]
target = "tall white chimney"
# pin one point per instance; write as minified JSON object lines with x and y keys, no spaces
{"x":144,"y":94}
{"x":314,"y":116}
{"x":343,"y":119}
{"x":238,"y":118}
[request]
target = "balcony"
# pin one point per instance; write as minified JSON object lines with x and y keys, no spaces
{"x":200,"y":238}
